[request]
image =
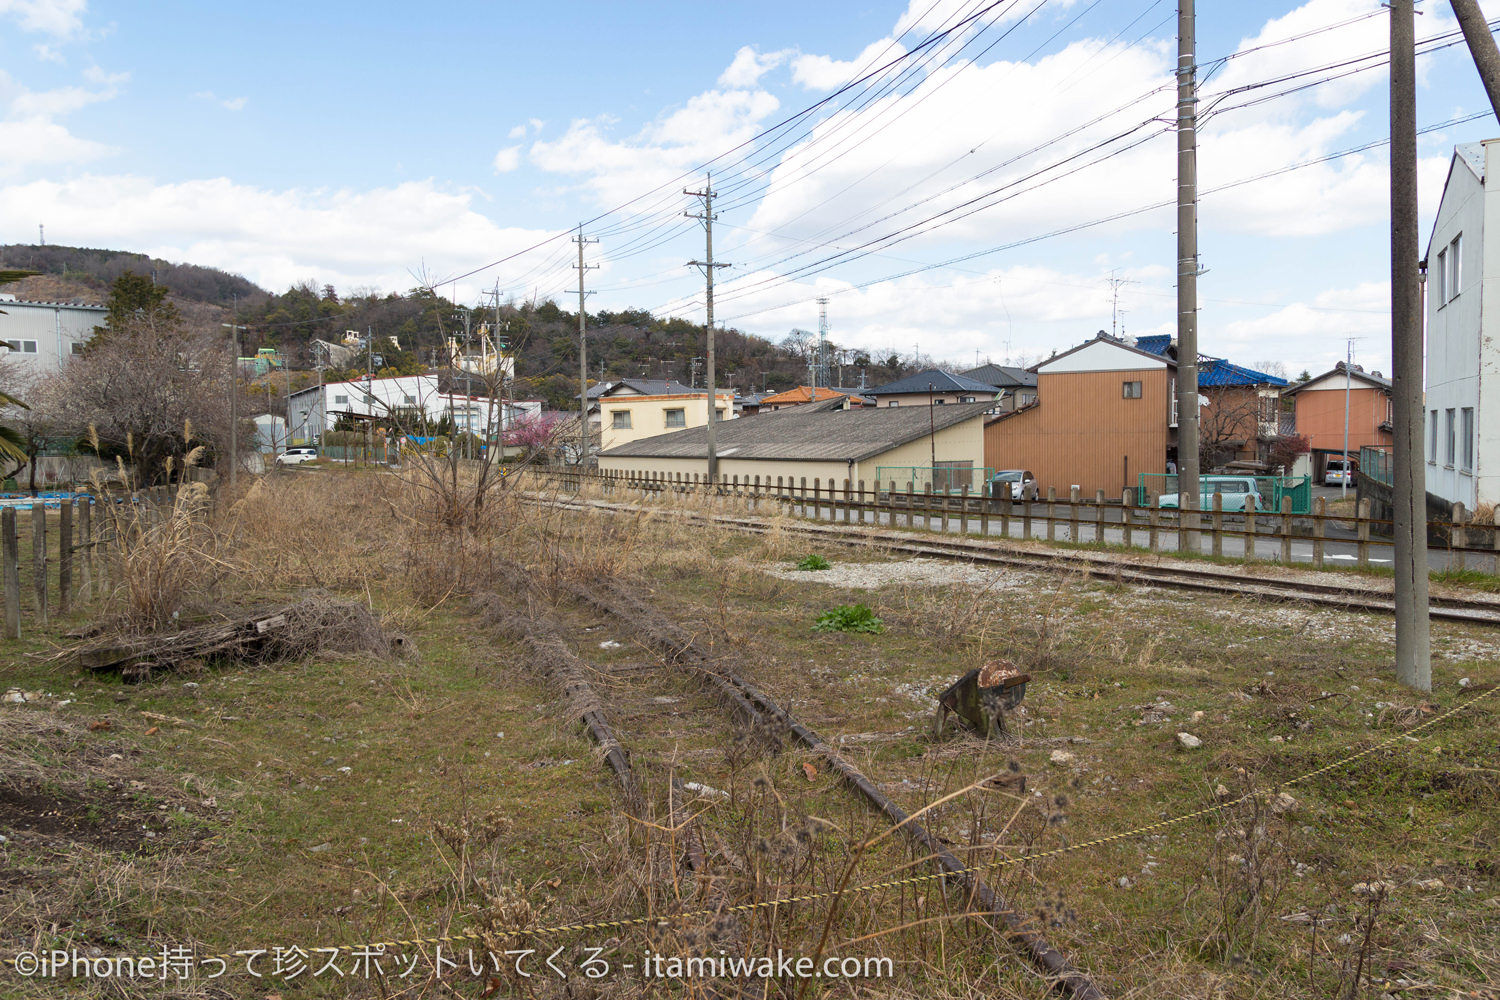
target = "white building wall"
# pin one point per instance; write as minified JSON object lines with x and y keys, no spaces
{"x":1487,"y":403}
{"x":44,"y":333}
{"x":1456,"y":326}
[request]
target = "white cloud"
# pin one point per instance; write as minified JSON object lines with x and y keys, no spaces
{"x":817,"y":72}
{"x":47,"y":104}
{"x":519,"y":132}
{"x":47,"y":53}
{"x":53,"y":17}
{"x":33,"y":143}
{"x":698,"y":131}
{"x":507,"y":159}
{"x":749,"y":66}
{"x":348,"y":238}
{"x":930,"y":15}
{"x":228,"y":103}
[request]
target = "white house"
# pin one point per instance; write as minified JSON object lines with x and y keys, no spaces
{"x":316,"y":409}
{"x":40,"y":336}
{"x":1463,"y":332}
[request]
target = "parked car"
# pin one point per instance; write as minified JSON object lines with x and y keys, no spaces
{"x":1338,"y":472}
{"x":296,"y":456}
{"x":1238,"y":492}
{"x":1016,"y":484}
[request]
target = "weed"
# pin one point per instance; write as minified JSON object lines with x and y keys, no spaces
{"x":849,"y":618}
{"x":812,"y":563}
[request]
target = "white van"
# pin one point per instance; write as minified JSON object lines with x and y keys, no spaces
{"x":296,"y":456}
{"x":1238,"y":492}
{"x":1338,"y":472}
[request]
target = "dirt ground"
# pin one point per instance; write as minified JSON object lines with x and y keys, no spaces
{"x":344,"y":799}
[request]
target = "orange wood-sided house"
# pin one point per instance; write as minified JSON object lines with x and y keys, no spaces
{"x":1320,"y":412}
{"x":1105,"y":414}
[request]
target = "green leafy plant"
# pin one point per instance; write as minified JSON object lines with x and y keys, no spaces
{"x":813,"y":562}
{"x":849,"y":618}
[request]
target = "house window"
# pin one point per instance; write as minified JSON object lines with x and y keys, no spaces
{"x":966,"y":399}
{"x":341,"y":398}
{"x":938,"y":402}
{"x":410,"y":400}
{"x":1455,"y":265}
{"x":77,"y":350}
{"x":893,"y":402}
{"x":1130,"y":390}
{"x":677,"y":418}
{"x":1466,"y":439}
{"x":620,"y":420}
{"x":22,"y":346}
{"x":1432,"y":428}
{"x":718,"y":413}
{"x":1441,"y":274}
{"x":1452,"y":435}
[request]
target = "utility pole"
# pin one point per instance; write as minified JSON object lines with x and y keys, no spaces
{"x":1348,"y":387}
{"x":1187,"y":265}
{"x":1481,"y":47}
{"x":583,"y":352}
{"x":708,"y":265}
{"x":234,"y":395}
{"x":1409,"y":478}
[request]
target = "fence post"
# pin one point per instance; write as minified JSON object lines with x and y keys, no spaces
{"x":1025,"y":517}
{"x":1098,"y":515}
{"x":10,"y":559}
{"x":1005,"y":502}
{"x":848,"y":510}
{"x":1218,"y":540}
{"x":39,"y":555}
{"x":911,"y":497}
{"x":65,"y":556}
{"x":1320,"y":508}
{"x":1154,"y":513}
{"x":862,"y":502}
{"x":1073,"y":514}
{"x":86,"y":538}
{"x":1052,"y":513}
{"x":1127,"y":515}
{"x":1252,"y":509}
{"x":1458,"y":538}
{"x":1362,"y":526}
{"x":1286,"y":530}
{"x":802,"y":497}
{"x":927,"y":508}
{"x":984,"y":515}
{"x":963,"y":509}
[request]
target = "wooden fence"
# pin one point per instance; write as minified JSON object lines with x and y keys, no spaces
{"x":59,"y":555}
{"x":1257,"y":535}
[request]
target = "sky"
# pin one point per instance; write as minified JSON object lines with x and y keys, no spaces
{"x":970,"y":179}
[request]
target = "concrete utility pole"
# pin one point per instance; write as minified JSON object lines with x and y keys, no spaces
{"x":583,"y":352}
{"x":1409,"y":477}
{"x":1481,"y":47}
{"x":234,"y":395}
{"x":1348,"y":389}
{"x":1187,"y":262}
{"x":708,"y":265}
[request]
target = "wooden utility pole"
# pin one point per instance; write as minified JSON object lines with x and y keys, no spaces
{"x":583,"y":352}
{"x":1481,"y":47}
{"x":234,"y":397}
{"x":1413,"y":649}
{"x":1187,"y":264}
{"x":708,"y":265}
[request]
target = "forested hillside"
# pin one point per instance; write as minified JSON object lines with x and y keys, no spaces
{"x":624,"y":344}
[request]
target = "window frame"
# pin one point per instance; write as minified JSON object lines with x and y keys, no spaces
{"x":1432,"y":437}
{"x":1441,"y":271}
{"x":1455,"y":264}
{"x":1132,"y":389}
{"x":1450,"y":418}
{"x":1466,"y":440}
{"x":679,"y":413}
{"x":619,"y":420}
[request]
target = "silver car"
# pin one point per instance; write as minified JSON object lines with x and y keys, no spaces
{"x":1014,"y":484}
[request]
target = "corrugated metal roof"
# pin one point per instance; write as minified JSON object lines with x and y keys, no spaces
{"x":810,"y":433}
{"x":1002,"y":376}
{"x":940,"y":381}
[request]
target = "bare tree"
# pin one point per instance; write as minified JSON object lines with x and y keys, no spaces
{"x":141,"y":387}
{"x":1228,"y":425}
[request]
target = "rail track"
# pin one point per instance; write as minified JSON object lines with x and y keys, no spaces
{"x":678,"y":648}
{"x":1238,"y":582}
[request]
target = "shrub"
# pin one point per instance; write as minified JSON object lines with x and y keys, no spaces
{"x":813,"y":562}
{"x":849,"y":618}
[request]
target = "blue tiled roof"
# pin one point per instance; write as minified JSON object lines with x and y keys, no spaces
{"x":1218,"y":372}
{"x":1156,"y":344}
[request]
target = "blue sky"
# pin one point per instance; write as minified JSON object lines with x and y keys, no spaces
{"x":375,"y":145}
